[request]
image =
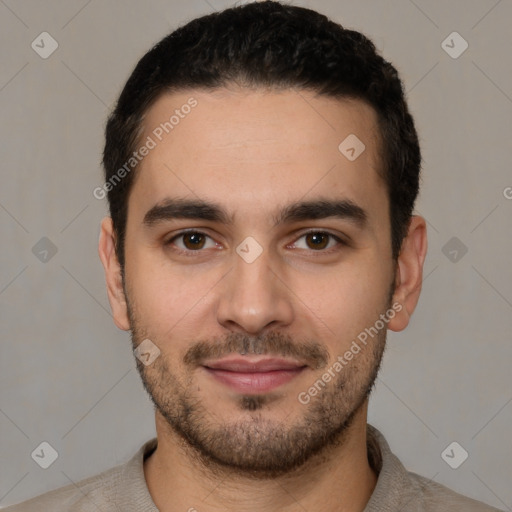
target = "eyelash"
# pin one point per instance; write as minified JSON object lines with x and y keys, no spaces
{"x":189,"y":252}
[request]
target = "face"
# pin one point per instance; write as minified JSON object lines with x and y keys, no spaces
{"x":256,"y":254}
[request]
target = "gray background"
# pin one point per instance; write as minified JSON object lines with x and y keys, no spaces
{"x":67,"y":374}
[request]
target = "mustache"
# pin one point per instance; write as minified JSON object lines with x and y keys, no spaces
{"x":272,"y":343}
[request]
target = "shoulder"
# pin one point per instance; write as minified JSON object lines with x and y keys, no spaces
{"x":435,"y":497}
{"x":121,"y":488}
{"x":399,"y":489}
{"x":88,"y":495}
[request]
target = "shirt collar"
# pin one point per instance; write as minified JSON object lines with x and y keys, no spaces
{"x":133,"y":492}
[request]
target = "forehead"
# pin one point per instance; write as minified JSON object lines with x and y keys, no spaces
{"x":251,"y":147}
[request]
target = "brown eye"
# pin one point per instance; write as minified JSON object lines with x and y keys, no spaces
{"x":317,"y":240}
{"x":193,"y":241}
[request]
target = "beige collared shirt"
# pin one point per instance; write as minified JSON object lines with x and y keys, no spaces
{"x":123,"y":488}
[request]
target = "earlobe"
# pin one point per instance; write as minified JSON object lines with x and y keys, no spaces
{"x":409,"y":274}
{"x":115,"y":291}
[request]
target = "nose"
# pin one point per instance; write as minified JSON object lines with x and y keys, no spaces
{"x":254,"y":297}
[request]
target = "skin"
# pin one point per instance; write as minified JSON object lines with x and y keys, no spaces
{"x":253,"y":152}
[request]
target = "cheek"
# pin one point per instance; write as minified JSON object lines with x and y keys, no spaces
{"x":167,"y":297}
{"x":345,"y":301}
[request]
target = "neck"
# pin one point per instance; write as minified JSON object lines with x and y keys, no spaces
{"x":337,"y":479}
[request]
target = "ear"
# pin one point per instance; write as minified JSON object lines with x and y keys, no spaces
{"x":409,"y":273}
{"x":115,"y":291}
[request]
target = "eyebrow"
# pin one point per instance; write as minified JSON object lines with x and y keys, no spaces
{"x":198,"y":209}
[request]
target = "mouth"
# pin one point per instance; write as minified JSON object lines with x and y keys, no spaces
{"x":246,"y":375}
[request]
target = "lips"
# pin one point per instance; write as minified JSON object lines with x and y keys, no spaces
{"x":254,"y":375}
{"x":254,"y":365}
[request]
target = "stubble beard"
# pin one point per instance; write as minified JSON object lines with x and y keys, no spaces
{"x":257,"y":446}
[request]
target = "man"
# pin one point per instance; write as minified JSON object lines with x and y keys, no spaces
{"x":261,"y":168}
